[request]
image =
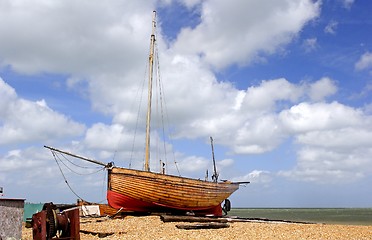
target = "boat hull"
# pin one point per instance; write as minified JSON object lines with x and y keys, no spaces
{"x":142,"y":191}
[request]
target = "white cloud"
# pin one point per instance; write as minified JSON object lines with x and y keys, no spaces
{"x":331,"y":27}
{"x":193,"y":164}
{"x":310,"y":44}
{"x":368,"y":107}
{"x":222,"y":109}
{"x":226,"y":26}
{"x":347,"y":3}
{"x":364,"y":62}
{"x":12,"y":161}
{"x":23,"y":121}
{"x":225,"y":163}
{"x":263,"y":98}
{"x":32,"y":173}
{"x":322,"y":89}
{"x":32,"y":164}
{"x":108,"y":135}
{"x":306,"y":117}
{"x":326,"y":166}
{"x":85,"y":37}
{"x":256,"y":176}
{"x":105,"y":46}
{"x":257,"y":136}
{"x":335,"y":142}
{"x":341,"y":139}
{"x":191,"y":3}
{"x":244,"y":120}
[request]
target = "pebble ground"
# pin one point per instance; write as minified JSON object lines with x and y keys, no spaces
{"x":151,"y":227}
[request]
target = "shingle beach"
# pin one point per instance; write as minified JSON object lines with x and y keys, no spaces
{"x":151,"y":227}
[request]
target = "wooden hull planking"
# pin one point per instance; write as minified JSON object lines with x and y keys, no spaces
{"x":135,"y":190}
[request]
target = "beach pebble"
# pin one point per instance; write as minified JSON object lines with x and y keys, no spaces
{"x":151,"y":227}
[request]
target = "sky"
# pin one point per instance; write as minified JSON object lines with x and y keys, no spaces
{"x":283,"y":87}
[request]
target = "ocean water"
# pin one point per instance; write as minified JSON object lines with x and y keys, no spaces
{"x":345,"y":216}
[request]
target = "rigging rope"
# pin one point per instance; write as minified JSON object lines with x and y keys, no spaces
{"x":60,"y":169}
{"x":57,"y":158}
{"x":85,"y":167}
{"x":137,"y":120}
{"x":161,"y":104}
{"x":164,"y":109}
{"x":140,"y":90}
{"x":81,"y":174}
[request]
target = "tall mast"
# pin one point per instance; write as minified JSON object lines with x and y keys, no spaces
{"x":215,"y":174}
{"x":148,"y":119}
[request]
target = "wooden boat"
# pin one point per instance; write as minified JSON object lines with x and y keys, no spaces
{"x":153,"y":191}
{"x":146,"y":191}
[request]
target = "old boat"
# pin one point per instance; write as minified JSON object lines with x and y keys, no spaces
{"x":147,"y":191}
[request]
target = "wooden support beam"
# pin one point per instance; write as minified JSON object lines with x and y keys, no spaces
{"x":170,"y":218}
{"x":203,"y":226}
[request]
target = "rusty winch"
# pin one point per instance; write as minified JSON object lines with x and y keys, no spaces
{"x":52,"y":224}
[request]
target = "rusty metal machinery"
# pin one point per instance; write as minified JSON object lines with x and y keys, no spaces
{"x":52,"y":224}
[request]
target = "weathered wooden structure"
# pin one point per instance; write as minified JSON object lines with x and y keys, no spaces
{"x":11,"y":216}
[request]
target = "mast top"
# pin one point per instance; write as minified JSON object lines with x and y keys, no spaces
{"x":153,"y":23}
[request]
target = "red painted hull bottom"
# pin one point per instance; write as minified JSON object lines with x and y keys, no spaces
{"x":117,"y":200}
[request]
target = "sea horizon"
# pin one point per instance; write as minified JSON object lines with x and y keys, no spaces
{"x":339,"y":215}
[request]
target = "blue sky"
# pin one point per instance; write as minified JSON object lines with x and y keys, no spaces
{"x":283,"y":86}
